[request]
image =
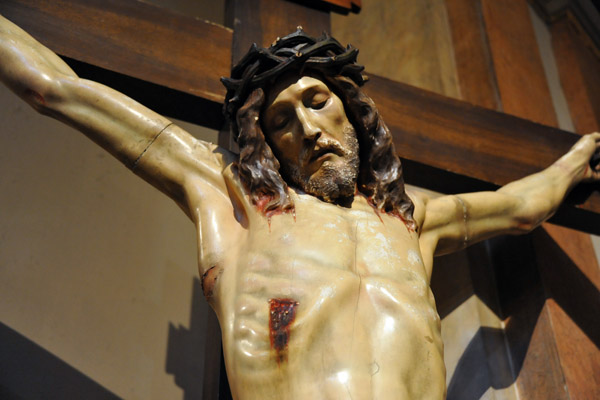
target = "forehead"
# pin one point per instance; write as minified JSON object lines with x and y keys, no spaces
{"x":290,"y":87}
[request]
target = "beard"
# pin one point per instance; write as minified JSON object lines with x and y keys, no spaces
{"x":333,"y":181}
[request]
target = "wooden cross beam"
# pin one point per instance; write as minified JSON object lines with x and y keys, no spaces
{"x":176,"y":61}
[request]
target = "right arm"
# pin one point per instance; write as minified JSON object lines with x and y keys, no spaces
{"x":123,"y":127}
{"x":37,"y":75}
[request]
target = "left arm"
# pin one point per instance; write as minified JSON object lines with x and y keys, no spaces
{"x":453,"y":222}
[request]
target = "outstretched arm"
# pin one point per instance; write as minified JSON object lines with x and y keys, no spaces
{"x":453,"y":222}
{"x":42,"y":79}
{"x":160,"y":152}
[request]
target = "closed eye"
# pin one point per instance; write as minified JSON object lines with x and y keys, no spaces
{"x":280,"y":121}
{"x":318,"y":101}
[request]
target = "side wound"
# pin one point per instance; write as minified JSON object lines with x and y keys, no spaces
{"x":281,"y":316}
{"x":209,"y":280}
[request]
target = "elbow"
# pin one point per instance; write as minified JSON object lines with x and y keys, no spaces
{"x":37,"y":100}
{"x":521,"y":226}
{"x":44,"y":94}
{"x":531,"y":215}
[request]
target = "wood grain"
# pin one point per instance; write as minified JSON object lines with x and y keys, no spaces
{"x":474,"y":67}
{"x":564,"y":343}
{"x":534,"y":361}
{"x":484,"y":145}
{"x":341,"y":5}
{"x":542,"y":376}
{"x":433,"y":129}
{"x":571,"y":279}
{"x":517,"y":62}
{"x":579,"y":71}
{"x":132,"y":38}
{"x":403,"y":40}
{"x":445,"y":135}
{"x":262,"y":21}
{"x":576,"y":328}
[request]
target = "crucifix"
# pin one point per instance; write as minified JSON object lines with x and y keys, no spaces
{"x":407,"y":92}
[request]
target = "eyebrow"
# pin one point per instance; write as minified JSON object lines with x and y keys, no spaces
{"x":274,"y":109}
{"x":312,"y":87}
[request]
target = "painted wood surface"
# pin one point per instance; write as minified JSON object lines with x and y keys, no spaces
{"x":262,"y":21}
{"x":579,"y":69}
{"x":446,"y":136}
{"x":132,"y":38}
{"x":470,"y":141}
{"x":403,"y":40}
{"x":476,"y":77}
{"x":517,"y":62}
{"x":563,"y":342}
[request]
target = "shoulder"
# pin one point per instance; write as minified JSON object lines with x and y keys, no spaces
{"x":420,"y":198}
{"x":176,"y":162}
{"x":177,"y":155}
{"x":179,"y":144}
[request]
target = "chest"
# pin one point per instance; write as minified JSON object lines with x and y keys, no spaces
{"x":356,"y":240}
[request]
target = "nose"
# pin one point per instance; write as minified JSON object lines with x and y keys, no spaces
{"x":310,"y":129}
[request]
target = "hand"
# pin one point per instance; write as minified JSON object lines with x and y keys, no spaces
{"x":581,"y":162}
{"x":590,"y":145}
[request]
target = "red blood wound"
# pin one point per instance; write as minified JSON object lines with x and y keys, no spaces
{"x":411,"y":226}
{"x":262,"y":203}
{"x":282,"y":314}
{"x":209,"y":281}
{"x":35,"y":96}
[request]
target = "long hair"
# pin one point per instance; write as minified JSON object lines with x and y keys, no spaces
{"x":380,"y":175}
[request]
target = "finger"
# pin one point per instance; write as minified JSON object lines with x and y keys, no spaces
{"x":595,"y":159}
{"x":595,"y":165}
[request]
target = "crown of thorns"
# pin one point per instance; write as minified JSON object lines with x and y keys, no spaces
{"x":296,"y":51}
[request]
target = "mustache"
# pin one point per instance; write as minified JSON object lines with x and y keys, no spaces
{"x":321,"y":146}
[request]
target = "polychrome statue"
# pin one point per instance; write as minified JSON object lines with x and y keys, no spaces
{"x":313,"y":255}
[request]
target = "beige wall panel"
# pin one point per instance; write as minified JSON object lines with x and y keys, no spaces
{"x":95,"y":264}
{"x":404,"y":40}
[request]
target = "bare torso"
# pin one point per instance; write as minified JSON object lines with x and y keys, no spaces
{"x":331,"y":303}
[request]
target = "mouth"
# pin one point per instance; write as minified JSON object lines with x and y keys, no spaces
{"x":321,"y":155}
{"x":324,"y":150}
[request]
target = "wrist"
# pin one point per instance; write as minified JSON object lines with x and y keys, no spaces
{"x":570,"y":168}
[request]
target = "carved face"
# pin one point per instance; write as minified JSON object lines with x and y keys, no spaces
{"x":306,"y":126}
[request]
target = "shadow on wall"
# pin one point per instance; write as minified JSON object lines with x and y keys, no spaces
{"x":471,"y":379}
{"x":27,"y":371}
{"x":185,"y":349}
{"x":194,"y":355}
{"x":522,"y":294}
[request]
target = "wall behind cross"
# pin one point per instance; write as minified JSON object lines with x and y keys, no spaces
{"x":98,"y":270}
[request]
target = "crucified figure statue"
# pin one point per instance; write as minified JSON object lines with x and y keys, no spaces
{"x":313,"y":255}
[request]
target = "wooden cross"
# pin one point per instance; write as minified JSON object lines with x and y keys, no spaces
{"x":447,"y":145}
